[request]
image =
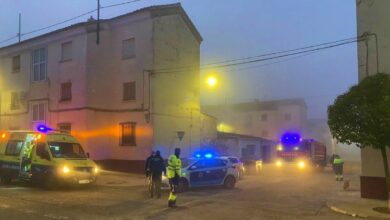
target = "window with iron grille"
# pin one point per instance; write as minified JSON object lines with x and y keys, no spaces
{"x":15,"y":101}
{"x":38,"y":112}
{"x":128,"y":48}
{"x":39,"y":64}
{"x":66,"y":91}
{"x":128,"y":135}
{"x":65,"y":127}
{"x":66,"y":51}
{"x":129,"y":91}
{"x":16,"y":64}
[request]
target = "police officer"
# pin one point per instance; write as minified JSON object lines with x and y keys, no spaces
{"x":147,"y":170}
{"x":157,"y":167}
{"x":174,"y":173}
{"x":338,"y":167}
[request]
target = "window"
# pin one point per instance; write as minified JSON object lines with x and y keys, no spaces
{"x":13,"y":148}
{"x":16,"y":64}
{"x":66,"y":91}
{"x":210,"y":163}
{"x":66,"y":150}
{"x":65,"y":127}
{"x":38,"y":112}
{"x":66,"y":51}
{"x":129,"y":91}
{"x":128,"y":134}
{"x":15,"y":101}
{"x":128,"y":48}
{"x":41,"y":151}
{"x":287,"y":117}
{"x":264,"y":117}
{"x":39,"y":62}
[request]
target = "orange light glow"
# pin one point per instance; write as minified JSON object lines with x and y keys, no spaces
{"x":113,"y":131}
{"x":3,"y":135}
{"x":39,"y":136}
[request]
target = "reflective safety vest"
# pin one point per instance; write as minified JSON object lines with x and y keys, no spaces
{"x":174,"y":166}
{"x":338,"y":161}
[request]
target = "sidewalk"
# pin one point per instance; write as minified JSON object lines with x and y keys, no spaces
{"x":350,"y":203}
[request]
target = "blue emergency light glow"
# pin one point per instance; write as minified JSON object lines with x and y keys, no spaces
{"x":198,"y":156}
{"x":43,"y":128}
{"x":208,"y":155}
{"x":291,"y":139}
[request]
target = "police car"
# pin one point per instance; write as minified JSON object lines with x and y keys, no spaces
{"x":207,"y":171}
{"x":56,"y":158}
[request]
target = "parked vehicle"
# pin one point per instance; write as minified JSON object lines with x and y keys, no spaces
{"x":303,"y":153}
{"x":47,"y":159}
{"x":207,"y":171}
{"x":238,"y":164}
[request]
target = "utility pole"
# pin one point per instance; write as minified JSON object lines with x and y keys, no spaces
{"x":20,"y":27}
{"x":98,"y":23}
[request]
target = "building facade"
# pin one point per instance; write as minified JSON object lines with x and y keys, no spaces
{"x":116,"y":95}
{"x":267,"y":119}
{"x":372,"y":21}
{"x":246,"y":147}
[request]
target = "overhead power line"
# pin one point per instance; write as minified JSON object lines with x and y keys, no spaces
{"x":284,"y":54}
{"x":70,"y":19}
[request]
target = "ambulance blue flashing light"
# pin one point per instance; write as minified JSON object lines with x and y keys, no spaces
{"x":198,"y":156}
{"x":43,"y":128}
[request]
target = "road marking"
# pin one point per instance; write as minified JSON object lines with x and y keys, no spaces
{"x":55,"y":217}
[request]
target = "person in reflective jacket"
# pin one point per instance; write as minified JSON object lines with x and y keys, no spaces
{"x":338,"y":167}
{"x":174,"y":173}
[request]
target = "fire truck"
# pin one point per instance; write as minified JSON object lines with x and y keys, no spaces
{"x":293,"y":150}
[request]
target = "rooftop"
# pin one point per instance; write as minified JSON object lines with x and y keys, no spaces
{"x":155,"y":11}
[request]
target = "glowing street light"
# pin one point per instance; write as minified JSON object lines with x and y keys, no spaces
{"x":211,"y":81}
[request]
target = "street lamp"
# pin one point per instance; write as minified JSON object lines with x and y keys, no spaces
{"x":211,"y":81}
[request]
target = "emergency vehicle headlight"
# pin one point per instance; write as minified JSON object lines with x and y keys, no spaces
{"x":278,"y":163}
{"x":65,"y":169}
{"x":96,"y":170}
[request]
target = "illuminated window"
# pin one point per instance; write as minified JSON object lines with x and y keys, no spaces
{"x":66,"y":91}
{"x":38,"y":112}
{"x":13,"y":148}
{"x":15,"y":101}
{"x":128,"y":135}
{"x":128,"y":48}
{"x":287,"y":117}
{"x":65,"y":127}
{"x":16,"y":64}
{"x":129,"y":91}
{"x":264,"y":117}
{"x":66,"y":51}
{"x":39,"y":64}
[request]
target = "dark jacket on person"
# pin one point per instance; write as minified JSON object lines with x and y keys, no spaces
{"x":147,"y":165}
{"x":157,"y":166}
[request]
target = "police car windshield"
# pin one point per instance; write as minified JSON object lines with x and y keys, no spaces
{"x":66,"y":150}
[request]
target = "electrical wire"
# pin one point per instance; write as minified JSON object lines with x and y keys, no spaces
{"x":56,"y":24}
{"x":203,"y":67}
{"x":119,"y":4}
{"x":8,"y":39}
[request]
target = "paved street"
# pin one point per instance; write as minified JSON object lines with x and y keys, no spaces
{"x":270,"y":195}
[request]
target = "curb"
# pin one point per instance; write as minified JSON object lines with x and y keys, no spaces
{"x":341,"y":211}
{"x":355,"y":215}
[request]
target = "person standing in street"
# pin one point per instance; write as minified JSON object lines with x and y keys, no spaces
{"x":157,"y":167}
{"x":147,"y":170}
{"x":338,"y":167}
{"x":174,"y":173}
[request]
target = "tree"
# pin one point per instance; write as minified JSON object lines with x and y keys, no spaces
{"x":362,"y":116}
